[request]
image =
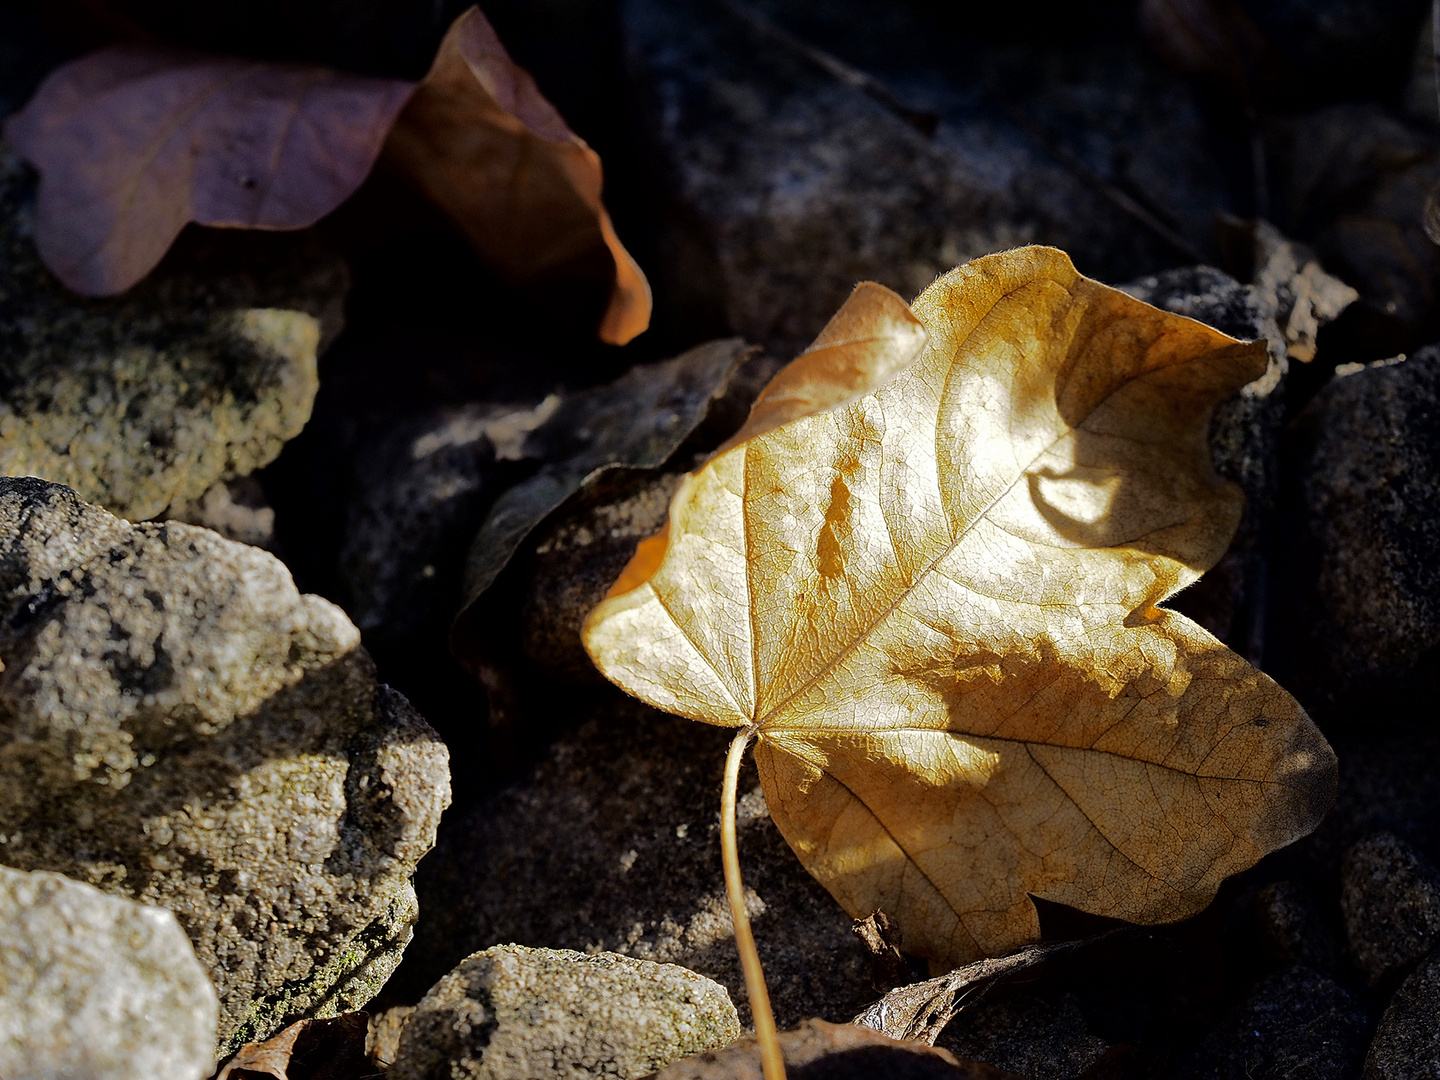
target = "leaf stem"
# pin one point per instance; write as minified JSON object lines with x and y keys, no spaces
{"x":770,"y":1058}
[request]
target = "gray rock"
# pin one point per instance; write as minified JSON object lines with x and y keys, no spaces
{"x":613,"y":843}
{"x":1026,"y":1034}
{"x":97,"y":987}
{"x":1295,"y":1023}
{"x":181,"y":726}
{"x":784,"y":184}
{"x":511,"y":1013}
{"x":1363,"y":613}
{"x":1407,"y":1041}
{"x":144,"y":401}
{"x":1390,"y":898}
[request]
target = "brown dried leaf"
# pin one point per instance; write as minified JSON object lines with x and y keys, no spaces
{"x":132,"y":144}
{"x":938,"y":605}
{"x":819,"y":1050}
{"x":483,"y":143}
{"x":330,"y":1049}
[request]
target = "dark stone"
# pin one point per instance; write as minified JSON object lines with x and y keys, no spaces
{"x":1391,"y":901}
{"x":1407,"y":1041}
{"x":1293,"y":929}
{"x":1295,"y":1023}
{"x":1360,"y":624}
{"x":783,"y":185}
{"x":1028,"y":1034}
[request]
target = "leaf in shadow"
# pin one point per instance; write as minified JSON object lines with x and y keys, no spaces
{"x":819,"y":1050}
{"x":636,"y":422}
{"x":481,"y":141}
{"x":132,"y":144}
{"x":332,"y":1049}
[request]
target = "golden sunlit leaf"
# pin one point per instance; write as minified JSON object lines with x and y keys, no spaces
{"x":938,"y":603}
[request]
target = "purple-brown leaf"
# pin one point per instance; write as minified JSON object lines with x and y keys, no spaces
{"x":134,"y":143}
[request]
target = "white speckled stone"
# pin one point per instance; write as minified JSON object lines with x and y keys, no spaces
{"x":95,"y":986}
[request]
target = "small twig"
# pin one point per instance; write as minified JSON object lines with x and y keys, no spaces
{"x":922,"y":121}
{"x":920,"y":1011}
{"x":1125,"y":202}
{"x":771,"y":1059}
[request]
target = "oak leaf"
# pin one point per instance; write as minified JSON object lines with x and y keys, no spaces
{"x":937,"y":602}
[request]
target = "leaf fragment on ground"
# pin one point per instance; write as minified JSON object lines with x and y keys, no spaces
{"x":636,"y":422}
{"x":818,"y":1049}
{"x":331,"y":1049}
{"x":938,"y":603}
{"x":133,"y":144}
{"x":481,"y":141}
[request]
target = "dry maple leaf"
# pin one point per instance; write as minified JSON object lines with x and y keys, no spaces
{"x":132,"y":144}
{"x":483,"y":143}
{"x":935,"y":601}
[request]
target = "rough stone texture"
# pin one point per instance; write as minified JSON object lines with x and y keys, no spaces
{"x":1293,"y":929}
{"x":181,"y":726}
{"x":418,"y":501}
{"x":784,"y":185}
{"x":613,"y":843}
{"x":1390,"y":898}
{"x":577,"y":559}
{"x":1295,"y":1023}
{"x":1362,"y":616}
{"x":817,"y":1050}
{"x":511,"y":1013}
{"x":198,"y":374}
{"x":1407,"y":1041}
{"x":1028,"y":1035}
{"x":97,"y":987}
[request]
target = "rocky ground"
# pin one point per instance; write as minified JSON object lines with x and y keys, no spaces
{"x":296,"y":537}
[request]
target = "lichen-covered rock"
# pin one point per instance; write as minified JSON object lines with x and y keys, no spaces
{"x":613,"y":843}
{"x":1295,"y":1023}
{"x":144,"y":401}
{"x":511,"y":1013}
{"x":1407,"y":1041}
{"x":1362,"y":611}
{"x":179,"y":725}
{"x":236,"y":509}
{"x":1390,"y":898}
{"x":97,"y":987}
